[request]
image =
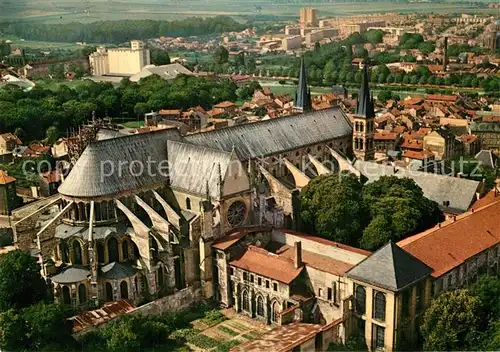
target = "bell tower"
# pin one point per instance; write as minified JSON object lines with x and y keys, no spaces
{"x":363,"y":126}
{"x":303,"y":101}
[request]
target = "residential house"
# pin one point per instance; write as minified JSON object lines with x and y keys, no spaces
{"x":442,"y":142}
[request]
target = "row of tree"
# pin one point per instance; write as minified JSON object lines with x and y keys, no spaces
{"x":120,"y":31}
{"x":31,"y":113}
{"x":341,"y":208}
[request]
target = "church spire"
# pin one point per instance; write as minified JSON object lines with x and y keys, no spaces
{"x":364,"y":107}
{"x":303,"y":96}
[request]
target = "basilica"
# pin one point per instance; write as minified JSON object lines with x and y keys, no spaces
{"x":143,"y":216}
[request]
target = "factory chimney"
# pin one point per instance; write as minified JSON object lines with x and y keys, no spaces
{"x":445,"y":58}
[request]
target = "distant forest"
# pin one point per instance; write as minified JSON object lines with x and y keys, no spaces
{"x":120,"y":31}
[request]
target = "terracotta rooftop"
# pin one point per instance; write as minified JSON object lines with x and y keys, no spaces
{"x":438,"y":97}
{"x":386,"y":136}
{"x":5,"y":178}
{"x":169,"y":112}
{"x":417,"y":155}
{"x":412,"y":101}
{"x":412,"y":144}
{"x":490,"y":197}
{"x":93,"y":318}
{"x":52,"y":176}
{"x":224,"y":104}
{"x":326,"y":242}
{"x":468,"y":138}
{"x":283,"y":338}
{"x":262,"y":262}
{"x":451,"y":243}
{"x":316,"y":261}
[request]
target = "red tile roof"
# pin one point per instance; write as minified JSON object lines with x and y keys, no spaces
{"x":417,"y":155}
{"x":490,"y":197}
{"x":52,"y":176}
{"x":451,"y":243}
{"x":326,"y":242}
{"x":5,"y":178}
{"x":438,"y":97}
{"x":317,"y":261}
{"x":224,"y":104}
{"x":412,"y":144}
{"x":412,"y":101}
{"x":386,"y":136}
{"x":169,"y":112}
{"x":262,"y":262}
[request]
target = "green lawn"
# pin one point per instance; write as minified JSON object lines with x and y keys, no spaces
{"x":133,"y":124}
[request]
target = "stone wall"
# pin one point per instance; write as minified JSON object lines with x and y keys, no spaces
{"x":180,"y":300}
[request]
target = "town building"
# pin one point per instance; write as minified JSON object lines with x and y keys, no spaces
{"x":308,"y":17}
{"x":119,"y":61}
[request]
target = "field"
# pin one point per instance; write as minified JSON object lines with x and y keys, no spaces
{"x":63,"y":11}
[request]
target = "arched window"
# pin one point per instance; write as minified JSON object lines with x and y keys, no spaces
{"x":124,"y":290}
{"x":113,"y":250}
{"x":109,"y":292}
{"x":125,"y":250}
{"x":100,"y":253}
{"x":64,"y":252}
{"x":188,"y":204}
{"x":160,"y":276}
{"x":137,"y":254}
{"x":66,"y":295}
{"x":379,"y":311}
{"x":82,"y":293}
{"x":260,"y":306}
{"x":275,"y":312}
{"x":77,"y":253}
{"x":245,"y":303}
{"x":360,"y":299}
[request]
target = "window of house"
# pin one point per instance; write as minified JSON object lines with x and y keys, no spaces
{"x":420,"y":296}
{"x":251,"y":278}
{"x":320,"y":292}
{"x":260,"y":306}
{"x":379,"y":311}
{"x":188,"y":204}
{"x":267,"y":283}
{"x":245,"y":276}
{"x":379,"y":337}
{"x":231,"y":271}
{"x":245,"y":302}
{"x":360,"y":295}
{"x":406,"y":302}
{"x":259,"y":281}
{"x":329,"y":294}
{"x":275,"y":286}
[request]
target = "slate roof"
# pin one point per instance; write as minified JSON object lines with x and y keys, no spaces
{"x":98,"y":173}
{"x":488,"y":158}
{"x":303,"y":93}
{"x":459,"y":192}
{"x":65,"y":231}
{"x":71,"y":275}
{"x":275,"y":136}
{"x":391,"y":268}
{"x":365,"y":106}
{"x":193,"y":167}
{"x":116,"y":271}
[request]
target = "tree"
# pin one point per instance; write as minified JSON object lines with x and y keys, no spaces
{"x":52,"y":135}
{"x":220,"y":56}
{"x":487,"y":289}
{"x":47,"y":326}
{"x":332,"y":207}
{"x":427,"y":47}
{"x":450,"y":323}
{"x":21,"y":284}
{"x":398,"y":209}
{"x":159,"y":57}
{"x":374,"y":36}
{"x":13,"y":329}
